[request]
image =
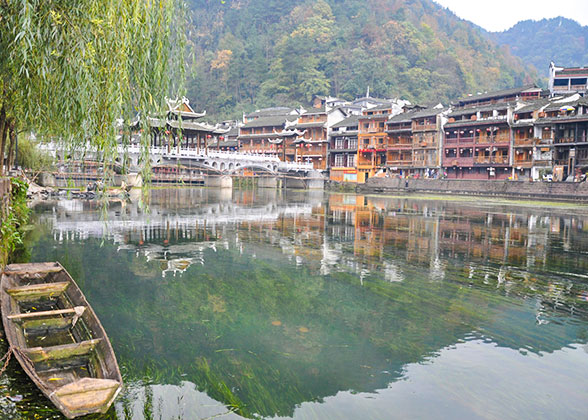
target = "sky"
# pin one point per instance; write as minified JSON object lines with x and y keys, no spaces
{"x":499,"y":15}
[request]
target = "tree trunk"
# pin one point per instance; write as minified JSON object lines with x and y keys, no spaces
{"x":3,"y":131}
{"x":10,"y":155}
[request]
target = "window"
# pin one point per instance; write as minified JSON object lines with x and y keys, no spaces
{"x":352,"y":144}
{"x":580,"y":81}
{"x":561,"y":82}
{"x":351,"y":161}
{"x":339,"y":143}
{"x":339,"y":160}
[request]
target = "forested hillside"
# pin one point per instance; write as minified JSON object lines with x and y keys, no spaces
{"x":561,"y":40}
{"x":251,"y":53}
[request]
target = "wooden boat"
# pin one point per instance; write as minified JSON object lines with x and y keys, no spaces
{"x":57,"y":338}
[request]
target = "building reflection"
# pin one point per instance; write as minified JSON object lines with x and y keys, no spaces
{"x":339,"y":232}
{"x":370,"y":237}
{"x":365,"y":286}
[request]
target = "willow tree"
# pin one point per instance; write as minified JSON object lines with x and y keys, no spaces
{"x":72,"y":69}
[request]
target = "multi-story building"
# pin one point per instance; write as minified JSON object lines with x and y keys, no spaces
{"x":312,"y":144}
{"x":564,"y":122}
{"x":532,"y":146}
{"x":267,"y":135}
{"x":427,"y":137}
{"x":343,"y":149}
{"x":525,"y":93}
{"x":477,"y":142}
{"x":568,"y":80}
{"x":399,"y":143}
{"x":372,"y":140}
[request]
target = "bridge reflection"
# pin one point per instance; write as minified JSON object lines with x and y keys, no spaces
{"x":281,"y":298}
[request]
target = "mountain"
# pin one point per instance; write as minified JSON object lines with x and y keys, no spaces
{"x":259,"y":53}
{"x":563,"y":41}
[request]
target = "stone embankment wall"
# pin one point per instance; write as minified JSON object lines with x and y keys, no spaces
{"x":567,"y":191}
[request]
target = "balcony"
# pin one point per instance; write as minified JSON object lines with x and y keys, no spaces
{"x":528,"y":141}
{"x":401,"y":145}
{"x":491,"y":160}
{"x":424,"y":144}
{"x":400,"y":162}
{"x":564,"y":140}
{"x":424,"y":163}
{"x":524,"y":159}
{"x":424,"y":127}
{"x":458,"y":161}
{"x":492,"y":139}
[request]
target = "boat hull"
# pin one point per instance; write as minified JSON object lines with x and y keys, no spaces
{"x":57,"y":338}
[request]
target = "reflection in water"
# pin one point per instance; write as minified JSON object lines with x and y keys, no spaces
{"x":279,"y":304}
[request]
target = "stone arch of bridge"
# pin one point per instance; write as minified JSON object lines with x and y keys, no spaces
{"x":270,"y":168}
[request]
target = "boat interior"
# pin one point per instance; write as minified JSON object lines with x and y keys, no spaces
{"x":53,"y":334}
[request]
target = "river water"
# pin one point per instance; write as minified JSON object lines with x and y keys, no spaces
{"x":309,"y":305}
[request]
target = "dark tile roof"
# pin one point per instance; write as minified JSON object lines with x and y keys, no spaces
{"x":270,"y":121}
{"x":533,"y":106}
{"x":572,"y":71}
{"x":483,"y":108}
{"x":472,"y":123}
{"x":311,"y":124}
{"x":429,"y":112}
{"x":383,"y":106}
{"x":351,"y":121}
{"x":497,"y":94}
{"x":267,"y":112}
{"x":315,"y":111}
{"x":562,"y":119}
{"x":403,"y":117}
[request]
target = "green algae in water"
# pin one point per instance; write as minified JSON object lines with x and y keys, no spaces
{"x":365,"y":290}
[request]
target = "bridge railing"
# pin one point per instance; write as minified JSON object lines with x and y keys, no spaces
{"x":200,"y":154}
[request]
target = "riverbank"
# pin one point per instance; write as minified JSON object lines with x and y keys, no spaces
{"x":552,"y":191}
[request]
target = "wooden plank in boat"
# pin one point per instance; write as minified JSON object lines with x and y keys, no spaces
{"x":64,"y":351}
{"x":60,"y":318}
{"x":75,"y":394}
{"x":87,"y":395}
{"x":77,"y":310}
{"x":35,"y":291}
{"x":32,"y":268}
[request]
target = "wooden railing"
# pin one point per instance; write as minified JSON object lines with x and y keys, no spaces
{"x":423,"y":127}
{"x":491,"y":159}
{"x":492,"y":139}
{"x":400,"y":162}
{"x":401,"y":144}
{"x":424,"y":162}
{"x":458,"y":161}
